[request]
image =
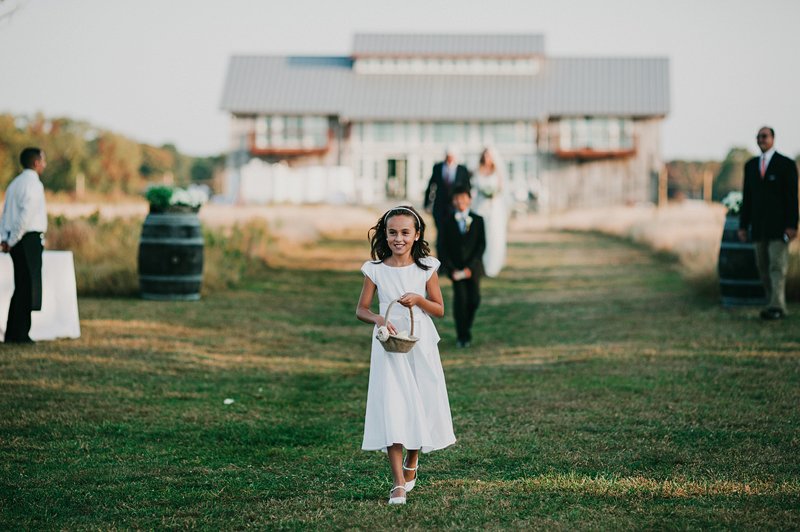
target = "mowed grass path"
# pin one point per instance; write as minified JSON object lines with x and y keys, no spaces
{"x":599,"y":393}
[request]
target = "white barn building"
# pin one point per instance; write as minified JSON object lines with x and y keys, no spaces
{"x":367,"y":128}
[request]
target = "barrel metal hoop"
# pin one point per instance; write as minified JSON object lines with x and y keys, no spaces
{"x":173,"y":241}
{"x":170,"y":297}
{"x":168,"y":278}
{"x":738,"y":245}
{"x":736,"y":282}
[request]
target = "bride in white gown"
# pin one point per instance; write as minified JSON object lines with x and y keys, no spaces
{"x":490,"y":195}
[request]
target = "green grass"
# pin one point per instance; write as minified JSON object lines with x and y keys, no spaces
{"x":601,"y":393}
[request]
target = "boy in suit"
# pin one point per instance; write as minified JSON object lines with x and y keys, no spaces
{"x":463,"y":240}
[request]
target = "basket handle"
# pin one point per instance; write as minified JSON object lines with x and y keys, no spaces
{"x":410,"y":313}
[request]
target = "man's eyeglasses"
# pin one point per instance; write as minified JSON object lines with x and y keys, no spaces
{"x":762,"y":136}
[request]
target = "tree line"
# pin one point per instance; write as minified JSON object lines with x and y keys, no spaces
{"x":84,"y":158}
{"x":688,"y":178}
{"x":81,"y":157}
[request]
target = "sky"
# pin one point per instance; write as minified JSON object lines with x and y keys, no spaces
{"x":154,"y":69}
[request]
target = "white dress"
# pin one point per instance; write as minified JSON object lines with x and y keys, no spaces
{"x":491,"y":202}
{"x":407,"y":398}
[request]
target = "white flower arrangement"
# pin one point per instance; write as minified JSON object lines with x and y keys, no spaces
{"x":164,"y":198}
{"x":191,"y":197}
{"x":733,"y":201}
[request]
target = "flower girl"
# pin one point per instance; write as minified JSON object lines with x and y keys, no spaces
{"x":407,"y":404}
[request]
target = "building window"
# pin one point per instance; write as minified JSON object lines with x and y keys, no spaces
{"x":383,"y":131}
{"x":445,"y":132}
{"x":293,"y":132}
{"x":505,"y":133}
{"x":599,"y":134}
{"x":315,"y":131}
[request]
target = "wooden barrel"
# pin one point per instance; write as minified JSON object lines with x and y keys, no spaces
{"x":171,"y":257}
{"x":739,"y":282}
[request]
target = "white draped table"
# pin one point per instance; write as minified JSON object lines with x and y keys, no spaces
{"x":59,"y":315}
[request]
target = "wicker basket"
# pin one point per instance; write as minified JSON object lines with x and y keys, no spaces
{"x":396,"y":344}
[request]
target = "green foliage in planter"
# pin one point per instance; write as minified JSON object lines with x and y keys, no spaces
{"x":159,"y":197}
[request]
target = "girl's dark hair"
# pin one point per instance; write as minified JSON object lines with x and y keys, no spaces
{"x":380,"y":247}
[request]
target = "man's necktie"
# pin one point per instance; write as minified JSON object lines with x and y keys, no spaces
{"x":763,"y":165}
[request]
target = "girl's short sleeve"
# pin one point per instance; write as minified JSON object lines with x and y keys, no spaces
{"x":368,"y":269}
{"x":434,"y":264}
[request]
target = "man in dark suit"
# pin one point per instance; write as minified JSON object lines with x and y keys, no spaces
{"x":769,"y":210}
{"x":463,"y":239}
{"x":446,"y":176}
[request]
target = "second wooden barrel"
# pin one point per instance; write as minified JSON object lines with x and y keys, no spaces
{"x":171,"y":257}
{"x":739,"y":282}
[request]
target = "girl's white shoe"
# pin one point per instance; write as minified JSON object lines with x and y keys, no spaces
{"x":411,"y":483}
{"x":397,"y":500}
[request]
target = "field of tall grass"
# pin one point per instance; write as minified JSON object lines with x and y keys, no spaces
{"x":689,"y":231}
{"x":237,"y":240}
{"x":105,"y":252}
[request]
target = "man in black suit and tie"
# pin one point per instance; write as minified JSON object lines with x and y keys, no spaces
{"x":463,"y":239}
{"x":769,"y":209}
{"x":446,"y":176}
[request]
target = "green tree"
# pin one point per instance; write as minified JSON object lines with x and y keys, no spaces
{"x":115,"y":165}
{"x":67,"y":153}
{"x":156,"y":162}
{"x":112,"y":163}
{"x":12,"y":141}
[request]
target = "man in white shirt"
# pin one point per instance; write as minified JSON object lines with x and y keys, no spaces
{"x":22,"y":228}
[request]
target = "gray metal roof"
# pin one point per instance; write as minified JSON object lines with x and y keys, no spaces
{"x":607,"y":86}
{"x":447,"y":45}
{"x":563,"y":87}
{"x":286,"y":85}
{"x":442,"y":98}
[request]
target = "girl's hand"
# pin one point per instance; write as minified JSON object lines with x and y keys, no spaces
{"x":409,"y":299}
{"x":380,"y":322}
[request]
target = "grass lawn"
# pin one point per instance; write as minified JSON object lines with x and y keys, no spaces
{"x":600,"y":393}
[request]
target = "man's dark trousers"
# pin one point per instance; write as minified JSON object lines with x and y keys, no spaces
{"x":27,"y":258}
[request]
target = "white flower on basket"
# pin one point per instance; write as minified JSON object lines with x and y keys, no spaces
{"x":403,"y":335}
{"x":383,"y":333}
{"x":733,"y":201}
